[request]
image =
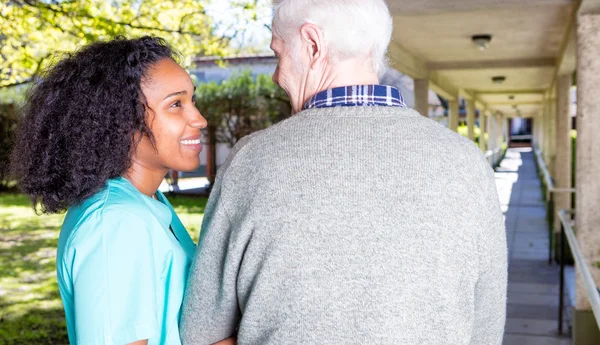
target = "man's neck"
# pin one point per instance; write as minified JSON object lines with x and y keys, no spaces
{"x":346,"y":73}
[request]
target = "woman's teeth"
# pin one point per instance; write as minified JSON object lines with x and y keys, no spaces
{"x":190,"y":142}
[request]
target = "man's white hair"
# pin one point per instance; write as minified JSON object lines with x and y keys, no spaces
{"x":351,"y":28}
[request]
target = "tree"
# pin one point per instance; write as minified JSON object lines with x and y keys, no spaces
{"x":34,"y":33}
{"x":241,"y":105}
{"x":237,"y":107}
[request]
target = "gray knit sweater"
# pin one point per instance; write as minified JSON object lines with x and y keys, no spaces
{"x":353,"y":225}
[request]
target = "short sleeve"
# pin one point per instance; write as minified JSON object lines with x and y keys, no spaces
{"x":114,"y":281}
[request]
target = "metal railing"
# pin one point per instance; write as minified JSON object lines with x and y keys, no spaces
{"x":494,"y":154}
{"x":549,"y":197}
{"x":591,"y":289}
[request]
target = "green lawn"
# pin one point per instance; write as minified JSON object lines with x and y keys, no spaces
{"x":30,"y":307}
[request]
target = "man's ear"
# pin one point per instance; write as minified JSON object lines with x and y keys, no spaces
{"x":312,"y":38}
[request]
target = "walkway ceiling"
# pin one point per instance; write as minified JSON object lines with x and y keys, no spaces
{"x":532,"y":41}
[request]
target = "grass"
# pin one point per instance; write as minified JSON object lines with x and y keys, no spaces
{"x":30,"y":307}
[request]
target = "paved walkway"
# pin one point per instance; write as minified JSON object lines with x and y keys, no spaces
{"x":532,"y":310}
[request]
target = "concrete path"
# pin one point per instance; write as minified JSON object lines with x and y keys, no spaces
{"x":532,"y":310}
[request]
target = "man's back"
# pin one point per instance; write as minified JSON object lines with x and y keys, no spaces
{"x":351,"y":225}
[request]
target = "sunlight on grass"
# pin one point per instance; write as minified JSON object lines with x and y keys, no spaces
{"x":30,"y":307}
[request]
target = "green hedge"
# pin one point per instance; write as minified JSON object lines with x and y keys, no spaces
{"x":8,"y":124}
{"x":464,"y":131}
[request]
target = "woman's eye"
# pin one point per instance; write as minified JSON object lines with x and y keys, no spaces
{"x":176,"y":104}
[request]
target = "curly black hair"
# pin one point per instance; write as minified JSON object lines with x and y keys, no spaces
{"x":81,"y":120}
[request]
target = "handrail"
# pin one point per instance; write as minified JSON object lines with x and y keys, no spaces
{"x":489,"y":153}
{"x":588,"y":282}
{"x":549,"y":197}
{"x":547,"y":177}
{"x":544,"y":168}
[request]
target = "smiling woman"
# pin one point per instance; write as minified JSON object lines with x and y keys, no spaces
{"x":175,"y":124}
{"x":100,"y":131}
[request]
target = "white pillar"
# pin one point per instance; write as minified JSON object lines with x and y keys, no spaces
{"x":548,"y":120}
{"x":537,"y":133}
{"x":499,"y":135}
{"x":506,"y":126}
{"x":491,"y":142}
{"x":588,"y":149}
{"x":538,"y":126}
{"x":453,"y":115}
{"x":471,"y":119}
{"x":483,"y":129}
{"x":562,"y":167}
{"x":422,"y":96}
{"x":551,"y":154}
{"x":544,"y":129}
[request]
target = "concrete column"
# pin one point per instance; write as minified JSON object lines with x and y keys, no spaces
{"x":422,"y":96}
{"x":551,"y":154}
{"x":547,"y":150}
{"x":544,"y":128}
{"x":588,"y":149}
{"x":492,"y":142}
{"x":537,"y":132}
{"x":483,"y":130}
{"x":546,"y":145}
{"x":471,"y":119}
{"x":499,"y":136}
{"x":562,"y":168}
{"x":534,"y":120}
{"x":539,"y":128}
{"x":453,"y":115}
{"x":504,"y":127}
{"x":497,"y":131}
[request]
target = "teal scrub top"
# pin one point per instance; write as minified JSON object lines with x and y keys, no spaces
{"x":121,"y":271}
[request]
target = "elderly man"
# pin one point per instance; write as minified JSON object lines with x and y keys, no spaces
{"x":356,"y":221}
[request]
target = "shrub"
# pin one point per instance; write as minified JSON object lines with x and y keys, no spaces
{"x":8,"y":124}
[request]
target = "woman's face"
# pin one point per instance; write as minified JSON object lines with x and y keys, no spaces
{"x":173,"y":119}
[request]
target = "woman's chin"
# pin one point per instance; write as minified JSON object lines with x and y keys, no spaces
{"x":187,"y":167}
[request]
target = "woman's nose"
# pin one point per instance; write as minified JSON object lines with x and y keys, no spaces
{"x":198,"y":121}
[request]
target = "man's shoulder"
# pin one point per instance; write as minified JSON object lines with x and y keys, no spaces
{"x":251,"y":144}
{"x":408,"y":126}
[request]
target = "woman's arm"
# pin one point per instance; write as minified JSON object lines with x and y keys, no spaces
{"x":139,"y":342}
{"x":228,"y":341}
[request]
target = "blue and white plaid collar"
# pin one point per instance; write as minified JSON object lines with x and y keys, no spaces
{"x":357,"y":96}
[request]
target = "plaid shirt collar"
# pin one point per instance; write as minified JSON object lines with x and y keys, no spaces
{"x":357,"y":96}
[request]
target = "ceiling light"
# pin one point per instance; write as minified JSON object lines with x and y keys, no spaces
{"x":498,"y":79}
{"x":482,"y":41}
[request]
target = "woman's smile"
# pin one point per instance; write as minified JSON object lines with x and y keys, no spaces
{"x":192,"y":143}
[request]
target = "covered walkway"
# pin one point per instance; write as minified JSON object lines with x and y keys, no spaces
{"x":532,"y":309}
{"x":516,"y":59}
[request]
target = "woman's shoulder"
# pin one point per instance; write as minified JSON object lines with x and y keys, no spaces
{"x":116,"y":198}
{"x":118,"y":207}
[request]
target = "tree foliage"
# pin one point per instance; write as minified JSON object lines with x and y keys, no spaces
{"x":241,"y":105}
{"x":33,"y":33}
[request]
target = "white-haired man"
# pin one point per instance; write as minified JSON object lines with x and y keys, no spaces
{"x":356,"y":221}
